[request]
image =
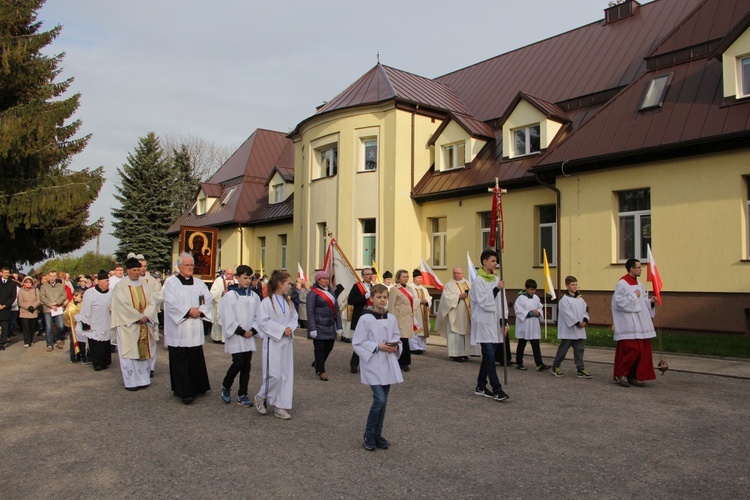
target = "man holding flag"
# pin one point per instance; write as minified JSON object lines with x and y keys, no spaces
{"x":632,"y":310}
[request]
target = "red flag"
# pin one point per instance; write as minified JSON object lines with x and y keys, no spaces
{"x":429,"y":277}
{"x":497,"y":206}
{"x":652,"y":275}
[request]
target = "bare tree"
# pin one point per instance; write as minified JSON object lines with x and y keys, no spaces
{"x":205,"y":156}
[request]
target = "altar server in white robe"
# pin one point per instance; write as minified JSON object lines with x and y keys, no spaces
{"x":453,"y":319}
{"x":529,"y":312}
{"x":377,"y":342}
{"x":187,"y":305}
{"x":277,"y":321}
{"x":134,"y":320}
{"x":422,"y":304}
{"x":219,"y":287}
{"x":94,"y":321}
{"x":239,"y":311}
{"x":489,"y":326}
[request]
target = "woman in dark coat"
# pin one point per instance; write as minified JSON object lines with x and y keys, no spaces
{"x":323,"y":321}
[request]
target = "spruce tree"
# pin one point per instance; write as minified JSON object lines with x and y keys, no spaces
{"x":146,"y":195}
{"x":43,"y":203}
{"x":187,"y":182}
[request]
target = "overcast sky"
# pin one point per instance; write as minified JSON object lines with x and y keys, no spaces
{"x":218,"y":70}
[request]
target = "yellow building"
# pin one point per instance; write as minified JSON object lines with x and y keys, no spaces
{"x":631,"y":131}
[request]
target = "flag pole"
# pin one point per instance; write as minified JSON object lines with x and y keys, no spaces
{"x":499,"y":249}
{"x":544,"y":318}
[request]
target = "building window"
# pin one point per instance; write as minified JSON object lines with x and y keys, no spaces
{"x":327,"y":159}
{"x":282,"y":247}
{"x":262,"y":250}
{"x":201,"y":208}
{"x":439,"y":228}
{"x":485,"y":224}
{"x":277,"y":193}
{"x":369,"y":154}
{"x":634,"y":224}
{"x":548,"y":234}
{"x":656,"y":92}
{"x":743,"y":72}
{"x":526,"y":140}
{"x":369,"y":241}
{"x":454,"y":156}
{"x":322,"y":243}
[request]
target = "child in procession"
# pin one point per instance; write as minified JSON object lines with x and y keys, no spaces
{"x":529,"y":312}
{"x":377,"y":343}
{"x":573,"y":317}
{"x":238,"y":311}
{"x":276,"y":322}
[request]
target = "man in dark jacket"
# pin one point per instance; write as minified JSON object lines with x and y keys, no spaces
{"x":8,"y":289}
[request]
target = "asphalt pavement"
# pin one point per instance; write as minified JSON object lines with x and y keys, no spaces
{"x":70,"y":432}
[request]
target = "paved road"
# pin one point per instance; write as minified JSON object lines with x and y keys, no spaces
{"x":69,"y":432}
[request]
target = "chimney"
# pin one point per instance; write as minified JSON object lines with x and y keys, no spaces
{"x":620,"y":9}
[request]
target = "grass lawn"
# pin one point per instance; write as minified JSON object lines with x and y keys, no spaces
{"x":699,"y":343}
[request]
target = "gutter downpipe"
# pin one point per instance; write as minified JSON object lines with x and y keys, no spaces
{"x":242,"y":242}
{"x":559,"y":250}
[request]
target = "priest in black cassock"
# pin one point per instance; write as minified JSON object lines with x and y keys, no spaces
{"x":187,"y":305}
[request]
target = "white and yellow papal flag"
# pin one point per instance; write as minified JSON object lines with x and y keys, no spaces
{"x":549,"y":288}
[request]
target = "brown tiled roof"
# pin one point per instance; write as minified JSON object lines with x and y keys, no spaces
{"x":246,"y":171}
{"x":266,"y":212}
{"x":571,"y":75}
{"x":212,"y":190}
{"x":383,"y":83}
{"x":582,"y":61}
{"x":694,"y":113}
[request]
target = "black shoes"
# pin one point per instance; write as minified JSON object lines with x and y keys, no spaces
{"x":368,"y":442}
{"x":382,"y":443}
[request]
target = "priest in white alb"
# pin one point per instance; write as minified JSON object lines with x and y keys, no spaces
{"x":135,"y":324}
{"x":157,"y":295}
{"x":454,"y":318}
{"x":187,"y":305}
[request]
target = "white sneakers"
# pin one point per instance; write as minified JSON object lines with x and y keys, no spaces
{"x":282,"y":414}
{"x":260,"y":405}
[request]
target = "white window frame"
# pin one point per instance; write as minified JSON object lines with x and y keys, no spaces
{"x":361,"y":260}
{"x":638,"y":229}
{"x":747,"y":215}
{"x":278,"y":192}
{"x":262,"y":250}
{"x":365,"y":142}
{"x":282,"y":250}
{"x":484,"y":231}
{"x":200,"y":208}
{"x":441,"y":237}
{"x":454,"y":155}
{"x":552,"y":256}
{"x":326,"y":160}
{"x":741,"y":61}
{"x":527,"y":140}
{"x":322,"y":243}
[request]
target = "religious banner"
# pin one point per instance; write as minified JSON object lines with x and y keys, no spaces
{"x":201,"y":243}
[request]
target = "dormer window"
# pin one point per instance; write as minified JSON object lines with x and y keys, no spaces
{"x":526,"y":140}
{"x":454,"y":156}
{"x":656,"y":92}
{"x":277,"y":193}
{"x":743,"y":75}
{"x":200,"y":208}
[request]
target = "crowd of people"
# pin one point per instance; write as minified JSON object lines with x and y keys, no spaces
{"x":124,"y":310}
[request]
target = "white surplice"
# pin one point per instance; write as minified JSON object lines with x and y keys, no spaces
{"x":218,"y":288}
{"x":528,"y":327}
{"x":377,"y":368}
{"x":486,"y":310}
{"x":275,"y":315}
{"x":632,"y":314}
{"x":571,"y":311}
{"x":95,"y":312}
{"x":239,"y":309}
{"x":179,"y":330}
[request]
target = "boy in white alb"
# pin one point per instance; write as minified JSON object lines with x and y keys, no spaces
{"x":572,"y":318}
{"x":238,"y":311}
{"x":377,"y":343}
{"x":529,"y":311}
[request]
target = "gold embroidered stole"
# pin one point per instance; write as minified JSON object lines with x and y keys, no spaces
{"x":463,"y":287}
{"x":425,"y":313}
{"x":138,"y":298}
